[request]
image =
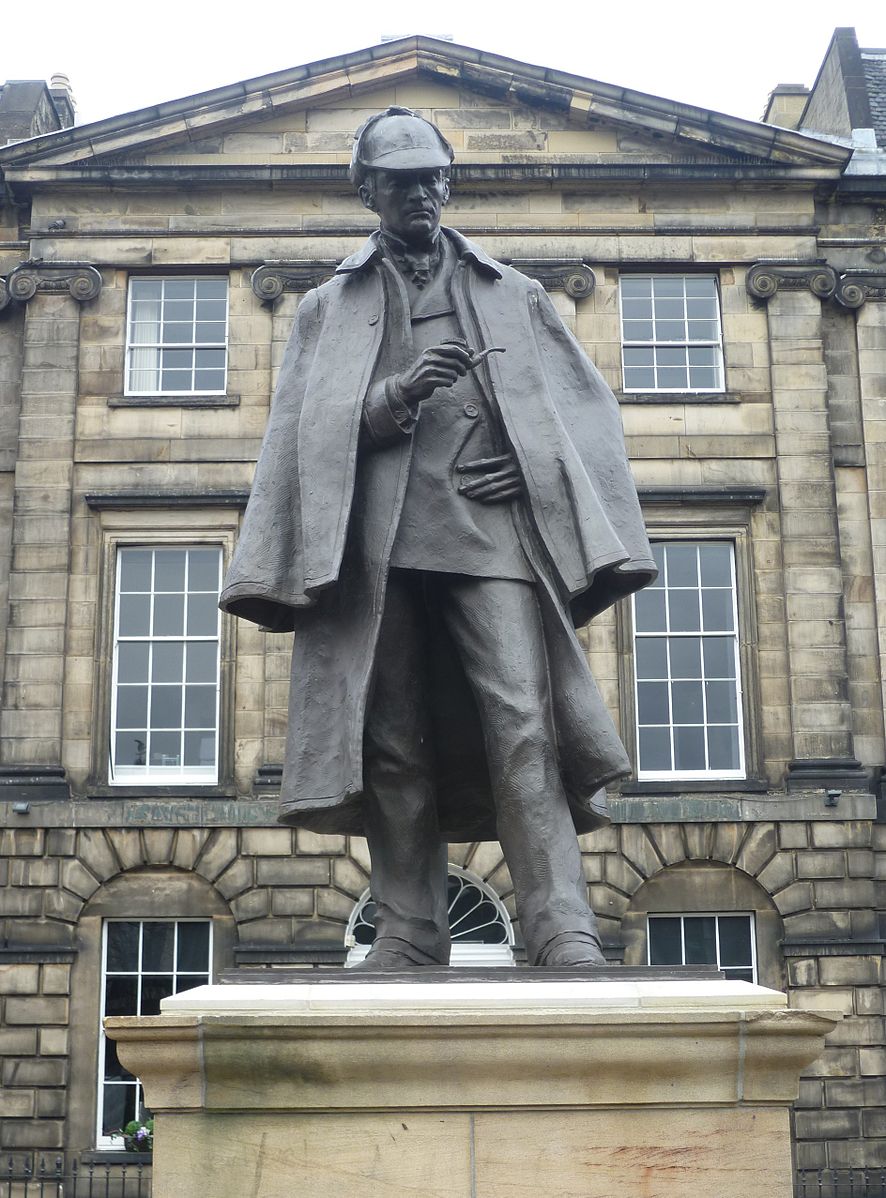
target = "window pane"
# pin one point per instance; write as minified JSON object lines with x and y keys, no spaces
{"x":130,"y":747}
{"x":699,"y":932}
{"x":118,"y":1107}
{"x":686,"y":657}
{"x":683,"y":611}
{"x":132,"y":662}
{"x":155,"y":988}
{"x":668,"y":287}
{"x":135,"y":615}
{"x":178,"y":332}
{"x":122,"y":952}
{"x":209,"y":380}
{"x":212,"y":289}
{"x":203,"y":615}
{"x":639,"y":357}
{"x":132,"y":706}
{"x":169,"y":569}
{"x":672,"y":378}
{"x":688,"y":703}
{"x":203,"y":567}
{"x":723,"y":748}
{"x":166,"y":663}
{"x":639,"y":378}
{"x":189,"y":982}
{"x":652,"y":657}
{"x":689,"y":748}
{"x":169,"y":615}
{"x":665,"y":946}
{"x":121,"y":995}
{"x":682,"y":564}
{"x":649,"y":610}
{"x":166,"y":706}
{"x":166,"y":749}
{"x":135,"y":570}
{"x":719,"y":656}
{"x":200,"y":748}
{"x":202,"y":662}
{"x":722,"y":702}
{"x":652,"y":703}
{"x":636,"y":286}
{"x":209,"y":359}
{"x":655,"y":749}
{"x":199,"y":706}
{"x":735,"y":940}
{"x":193,"y":947}
{"x":157,"y":946}
{"x":717,"y":608}
{"x":178,"y":289}
{"x":146,"y":289}
{"x":175,"y":380}
{"x":113,"y":1070}
{"x":638,"y":330}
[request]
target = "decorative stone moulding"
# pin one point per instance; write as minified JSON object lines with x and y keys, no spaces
{"x":765,"y":278}
{"x":855,"y":287}
{"x":558,"y":274}
{"x":82,"y":281}
{"x":270,"y":280}
{"x":273,"y":278}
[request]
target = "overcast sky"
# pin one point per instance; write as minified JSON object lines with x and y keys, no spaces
{"x":123,"y":56}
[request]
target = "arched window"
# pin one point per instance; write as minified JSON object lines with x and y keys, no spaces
{"x":478,"y":923}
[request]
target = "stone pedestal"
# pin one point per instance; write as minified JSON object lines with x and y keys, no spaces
{"x":473,"y":1089}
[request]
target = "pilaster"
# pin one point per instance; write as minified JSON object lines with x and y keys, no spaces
{"x":821,"y":717}
{"x":31,"y":719}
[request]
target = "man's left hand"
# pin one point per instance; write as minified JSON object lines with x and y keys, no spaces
{"x":491,"y":480}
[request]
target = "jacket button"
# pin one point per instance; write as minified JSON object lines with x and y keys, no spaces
{"x":373,"y":319}
{"x":471,"y":410}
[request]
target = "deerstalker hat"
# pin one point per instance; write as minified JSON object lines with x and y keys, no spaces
{"x":399,"y":140}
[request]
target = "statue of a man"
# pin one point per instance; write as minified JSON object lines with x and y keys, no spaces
{"x":442,"y":496}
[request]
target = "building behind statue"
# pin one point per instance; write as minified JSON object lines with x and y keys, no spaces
{"x":729,"y":279}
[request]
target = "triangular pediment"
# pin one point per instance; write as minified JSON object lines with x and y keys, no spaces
{"x":493,"y":110}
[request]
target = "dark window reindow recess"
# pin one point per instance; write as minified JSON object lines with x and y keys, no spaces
{"x":722,"y":940}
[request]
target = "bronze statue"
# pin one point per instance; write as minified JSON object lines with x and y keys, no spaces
{"x":442,"y":496}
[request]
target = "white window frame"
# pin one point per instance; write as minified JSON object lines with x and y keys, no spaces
{"x":148,"y":775}
{"x":687,"y":343}
{"x":716,"y":916}
{"x":465,"y":954}
{"x":104,"y":1142}
{"x":740,"y":772}
{"x":128,"y":389}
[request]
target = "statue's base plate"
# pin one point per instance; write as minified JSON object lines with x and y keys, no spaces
{"x":447,"y":976}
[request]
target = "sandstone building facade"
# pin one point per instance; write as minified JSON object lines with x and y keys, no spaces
{"x":729,"y":279}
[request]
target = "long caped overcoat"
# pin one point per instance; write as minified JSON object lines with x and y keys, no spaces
{"x":322,"y":516}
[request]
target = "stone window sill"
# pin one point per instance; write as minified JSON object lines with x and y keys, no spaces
{"x":678,"y":397}
{"x":173,"y":401}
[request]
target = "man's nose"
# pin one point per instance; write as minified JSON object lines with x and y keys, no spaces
{"x":416,"y":190}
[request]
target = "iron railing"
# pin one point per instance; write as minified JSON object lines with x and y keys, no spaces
{"x":74,"y":1179}
{"x":840,"y":1183}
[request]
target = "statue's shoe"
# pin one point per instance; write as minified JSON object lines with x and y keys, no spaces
{"x":389,"y":959}
{"x":568,"y":953}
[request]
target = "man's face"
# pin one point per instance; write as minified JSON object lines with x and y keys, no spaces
{"x":409,"y":203}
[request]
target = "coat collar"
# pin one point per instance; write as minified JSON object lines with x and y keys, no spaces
{"x":371,"y":250}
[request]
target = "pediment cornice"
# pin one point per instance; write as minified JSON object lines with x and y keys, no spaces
{"x":588,"y":102}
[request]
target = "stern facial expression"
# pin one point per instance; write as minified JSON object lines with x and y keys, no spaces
{"x":409,"y":203}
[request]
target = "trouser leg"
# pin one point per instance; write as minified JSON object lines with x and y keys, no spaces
{"x":496,"y":626}
{"x":408,"y":870}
